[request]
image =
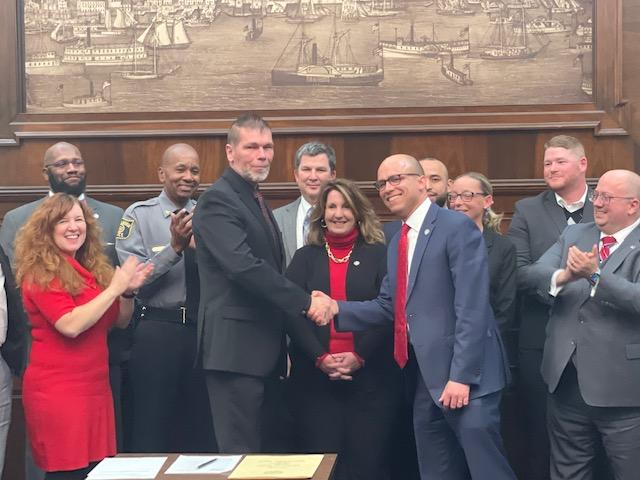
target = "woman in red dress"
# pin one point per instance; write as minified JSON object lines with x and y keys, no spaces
{"x":72,"y":296}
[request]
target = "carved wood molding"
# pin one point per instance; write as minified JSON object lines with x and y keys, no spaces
{"x":609,"y":114}
{"x":272,"y":191}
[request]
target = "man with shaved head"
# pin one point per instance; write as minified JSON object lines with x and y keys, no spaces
{"x":591,"y":358}
{"x":65,"y":170}
{"x":170,"y":406}
{"x":445,"y":337}
{"x":436,"y":177}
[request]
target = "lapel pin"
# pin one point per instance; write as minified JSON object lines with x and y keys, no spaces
{"x":632,"y":247}
{"x":356,"y":263}
{"x":427,"y":231}
{"x":95,"y":215}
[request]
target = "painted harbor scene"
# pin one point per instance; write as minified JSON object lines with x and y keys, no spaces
{"x":199,"y":55}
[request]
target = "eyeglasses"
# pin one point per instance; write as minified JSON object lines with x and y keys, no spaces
{"x":604,"y":198}
{"x":76,"y":162}
{"x":466,"y":196}
{"x":393,"y":180}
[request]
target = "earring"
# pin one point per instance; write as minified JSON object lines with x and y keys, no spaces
{"x":322,"y":223}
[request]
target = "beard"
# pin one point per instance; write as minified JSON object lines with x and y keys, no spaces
{"x":255,"y":177}
{"x":58,"y":186}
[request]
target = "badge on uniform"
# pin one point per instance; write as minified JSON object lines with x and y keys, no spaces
{"x":124,"y":229}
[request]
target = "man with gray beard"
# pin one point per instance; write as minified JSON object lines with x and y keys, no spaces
{"x":243,"y":292}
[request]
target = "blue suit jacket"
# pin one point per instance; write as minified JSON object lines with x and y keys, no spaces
{"x":451,"y":326}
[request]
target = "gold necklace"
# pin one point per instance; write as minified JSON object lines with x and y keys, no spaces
{"x":344,"y":259}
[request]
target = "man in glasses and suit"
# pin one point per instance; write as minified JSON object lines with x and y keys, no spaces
{"x":591,"y":360}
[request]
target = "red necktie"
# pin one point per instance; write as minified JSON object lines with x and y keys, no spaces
{"x":400,"y":353}
{"x":605,"y":250}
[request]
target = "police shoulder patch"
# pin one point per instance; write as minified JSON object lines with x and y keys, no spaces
{"x":124,"y":229}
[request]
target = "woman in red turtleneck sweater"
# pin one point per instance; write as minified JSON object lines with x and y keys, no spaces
{"x":344,"y":386}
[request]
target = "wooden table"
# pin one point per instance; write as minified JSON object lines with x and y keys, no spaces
{"x":324,"y":471}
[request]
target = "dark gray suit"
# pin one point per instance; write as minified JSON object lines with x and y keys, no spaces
{"x":537,"y":223}
{"x":599,"y":338}
{"x":287,"y":219}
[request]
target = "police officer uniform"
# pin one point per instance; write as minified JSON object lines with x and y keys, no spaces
{"x":170,"y":405}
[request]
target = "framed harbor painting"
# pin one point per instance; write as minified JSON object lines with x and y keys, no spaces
{"x":123,"y":56}
{"x":384,"y":63}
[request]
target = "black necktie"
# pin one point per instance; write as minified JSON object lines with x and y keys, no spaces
{"x":192,"y":282}
{"x":265,"y":213}
{"x":576,"y":216}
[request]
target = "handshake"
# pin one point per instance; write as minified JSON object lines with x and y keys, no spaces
{"x":323,"y":308}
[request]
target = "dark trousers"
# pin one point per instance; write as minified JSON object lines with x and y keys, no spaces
{"x":578,"y":431}
{"x":240,"y":412}
{"x":170,"y":407}
{"x":351,"y":418}
{"x":532,"y":398}
{"x":459,"y":444}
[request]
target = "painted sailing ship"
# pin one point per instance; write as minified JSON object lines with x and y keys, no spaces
{"x":410,"y":46}
{"x":157,"y":34}
{"x":352,"y":11}
{"x":385,"y":8}
{"x":461,"y":77}
{"x":254,"y":29}
{"x":305,"y":11}
{"x":339,"y":68}
{"x":454,"y":8}
{"x":561,"y":6}
{"x":63,"y":33}
{"x":104,"y":55}
{"x":505,"y":43}
{"x":543,"y":25}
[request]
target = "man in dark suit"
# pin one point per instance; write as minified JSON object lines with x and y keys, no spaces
{"x":437,"y":293}
{"x":537,"y":223}
{"x":314,"y":166}
{"x":64,"y":169}
{"x":243,"y":294}
{"x":591,"y":360}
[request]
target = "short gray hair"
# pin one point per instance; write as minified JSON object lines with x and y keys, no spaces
{"x":313,"y":149}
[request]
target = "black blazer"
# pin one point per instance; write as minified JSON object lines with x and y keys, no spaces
{"x":502,"y":278}
{"x":536,"y":225}
{"x":309,"y":268}
{"x":243,"y":292}
{"x":14,"y":349}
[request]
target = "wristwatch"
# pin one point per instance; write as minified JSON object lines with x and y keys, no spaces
{"x":594,"y":278}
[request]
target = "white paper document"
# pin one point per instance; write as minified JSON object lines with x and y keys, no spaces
{"x":127,"y":468}
{"x":193,"y":464}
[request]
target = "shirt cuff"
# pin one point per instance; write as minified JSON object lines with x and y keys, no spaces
{"x":554,"y":289}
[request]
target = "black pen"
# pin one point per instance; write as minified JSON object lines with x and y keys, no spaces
{"x":208,"y":462}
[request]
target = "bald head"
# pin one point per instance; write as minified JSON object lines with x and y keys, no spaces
{"x":437,"y":177}
{"x":617,"y":203}
{"x":54,"y":151}
{"x":179,"y":173}
{"x":178,"y":150}
{"x":402,"y":183}
{"x":64,"y":169}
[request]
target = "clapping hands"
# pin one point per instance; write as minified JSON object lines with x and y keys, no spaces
{"x":323,"y":308}
{"x":130,"y":276}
